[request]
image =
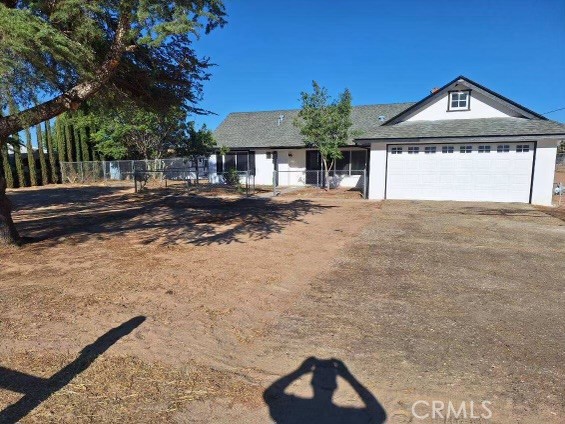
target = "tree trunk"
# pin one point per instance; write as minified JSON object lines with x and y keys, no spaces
{"x":326,"y":174}
{"x":8,"y":233}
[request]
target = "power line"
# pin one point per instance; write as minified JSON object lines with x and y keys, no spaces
{"x":551,"y":111}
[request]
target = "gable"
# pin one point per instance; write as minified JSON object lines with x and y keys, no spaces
{"x":482,"y":103}
{"x":479,"y":106}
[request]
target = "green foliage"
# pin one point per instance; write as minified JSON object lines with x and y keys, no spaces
{"x":30,"y":159}
{"x":20,"y":170}
{"x":195,"y":142}
{"x":51,"y":140}
{"x":138,"y":133}
{"x":50,"y":46}
{"x":325,"y":124}
{"x":41,"y":152}
{"x":7,"y":167}
{"x":232,"y":178}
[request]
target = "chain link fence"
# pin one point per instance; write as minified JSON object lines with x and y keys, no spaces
{"x":123,"y":170}
{"x":171,"y":173}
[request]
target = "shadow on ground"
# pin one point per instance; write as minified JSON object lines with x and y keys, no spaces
{"x":37,"y":389}
{"x":290,"y":409}
{"x":162,"y":217}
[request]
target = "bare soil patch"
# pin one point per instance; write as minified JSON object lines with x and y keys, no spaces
{"x":207,"y":273}
{"x":421,"y":301}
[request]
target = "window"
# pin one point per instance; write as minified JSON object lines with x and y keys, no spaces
{"x":413,"y":149}
{"x":459,"y":100}
{"x":430,"y":149}
{"x":342,"y":164}
{"x":484,"y":149}
{"x":396,"y":150}
{"x":465,"y":149}
{"x":358,"y":158}
{"x":352,"y":163}
{"x":503,"y":148}
{"x":522,"y":148}
{"x":240,"y":161}
{"x":446,"y":149}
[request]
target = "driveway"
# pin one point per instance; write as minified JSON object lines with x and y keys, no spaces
{"x":438,"y":302}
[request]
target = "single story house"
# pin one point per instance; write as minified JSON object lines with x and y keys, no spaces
{"x":462,"y":142}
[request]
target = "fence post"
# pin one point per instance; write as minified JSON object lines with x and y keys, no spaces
{"x":63,"y":174}
{"x":81,"y":173}
{"x":274,"y":186}
{"x":365,"y":184}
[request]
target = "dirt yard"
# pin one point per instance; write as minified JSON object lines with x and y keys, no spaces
{"x":165,"y":308}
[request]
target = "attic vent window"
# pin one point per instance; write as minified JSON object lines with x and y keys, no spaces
{"x":459,"y":100}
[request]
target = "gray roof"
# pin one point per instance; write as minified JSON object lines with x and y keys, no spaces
{"x":483,"y":127}
{"x":261,"y":129}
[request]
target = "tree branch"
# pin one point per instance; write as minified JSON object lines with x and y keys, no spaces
{"x":72,"y":98}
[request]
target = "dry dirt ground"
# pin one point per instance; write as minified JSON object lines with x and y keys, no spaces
{"x":160,"y":307}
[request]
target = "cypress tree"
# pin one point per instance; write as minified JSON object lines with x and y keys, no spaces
{"x":20,"y":170}
{"x":8,"y":175}
{"x":51,"y":152}
{"x":30,"y":159}
{"x":69,"y":140}
{"x":42,"y":161}
{"x":84,"y":145}
{"x":76,"y":134}
{"x":60,"y":139}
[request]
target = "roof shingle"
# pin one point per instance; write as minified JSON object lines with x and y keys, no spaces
{"x":261,"y":129}
{"x":483,"y":127}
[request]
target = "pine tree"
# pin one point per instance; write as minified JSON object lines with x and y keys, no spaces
{"x":51,"y":152}
{"x":20,"y":170}
{"x":8,"y":175}
{"x":42,"y":161}
{"x":30,"y":159}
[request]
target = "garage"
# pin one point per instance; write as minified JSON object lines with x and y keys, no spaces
{"x":497,"y":172}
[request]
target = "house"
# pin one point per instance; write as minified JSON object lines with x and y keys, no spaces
{"x":462,"y":142}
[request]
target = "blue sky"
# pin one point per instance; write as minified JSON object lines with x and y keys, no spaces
{"x":384,"y":51}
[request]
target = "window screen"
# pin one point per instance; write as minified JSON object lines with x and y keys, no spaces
{"x":357,"y":160}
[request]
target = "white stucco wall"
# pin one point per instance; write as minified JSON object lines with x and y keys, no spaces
{"x":544,"y":172}
{"x":543,"y":175}
{"x":377,"y":174}
{"x":481,"y":107}
{"x":292,"y":166}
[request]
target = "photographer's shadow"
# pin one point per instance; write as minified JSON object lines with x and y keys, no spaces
{"x":320,"y":409}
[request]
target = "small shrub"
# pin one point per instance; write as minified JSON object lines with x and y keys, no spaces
{"x":232,"y":178}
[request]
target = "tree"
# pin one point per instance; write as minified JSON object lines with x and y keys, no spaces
{"x":41,"y":152}
{"x":30,"y":159}
{"x":67,"y":51}
{"x":325,"y":125}
{"x":51,"y":137}
{"x":196,"y":142}
{"x":8,"y":177}
{"x":135,"y":132}
{"x":20,"y":172}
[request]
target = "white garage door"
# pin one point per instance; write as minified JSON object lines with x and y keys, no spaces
{"x":497,"y":172}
